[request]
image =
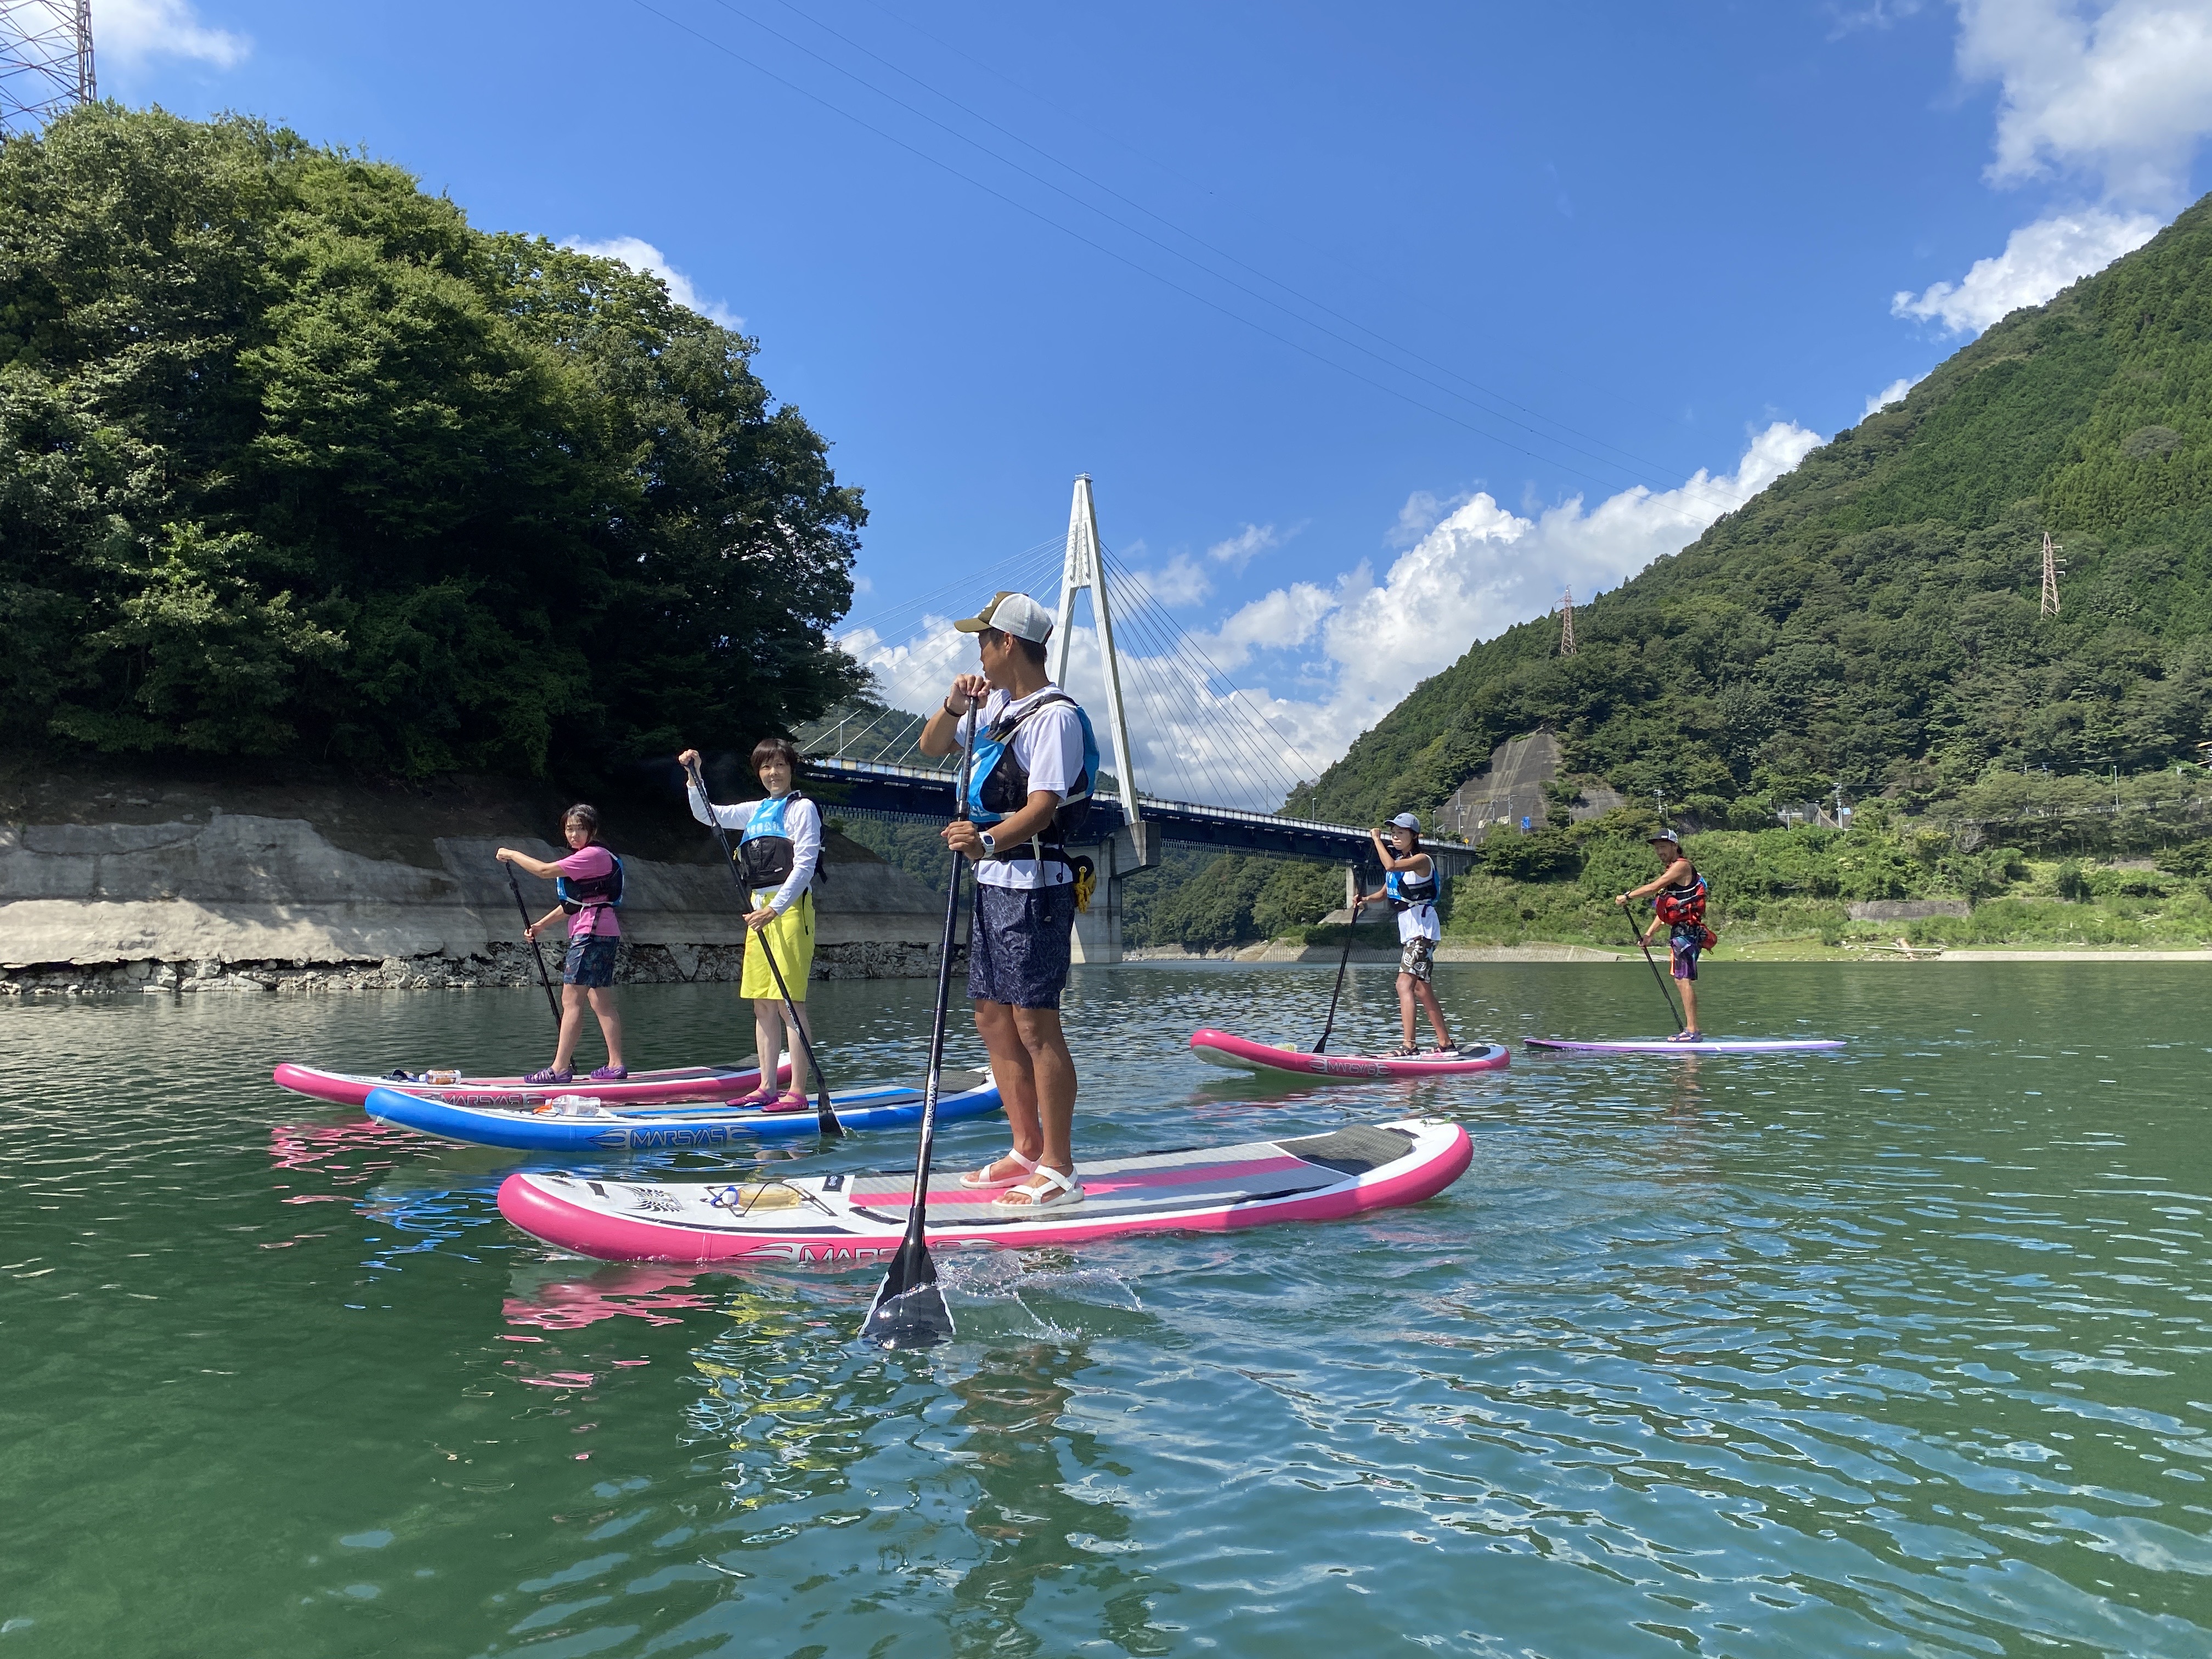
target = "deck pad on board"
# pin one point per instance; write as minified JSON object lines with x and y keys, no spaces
{"x":1227,"y":1049}
{"x":840,"y":1220}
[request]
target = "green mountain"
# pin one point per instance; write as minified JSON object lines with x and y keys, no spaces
{"x":1872,"y":619}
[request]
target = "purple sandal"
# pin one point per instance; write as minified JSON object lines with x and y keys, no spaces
{"x":611,"y":1074}
{"x":549,"y":1075}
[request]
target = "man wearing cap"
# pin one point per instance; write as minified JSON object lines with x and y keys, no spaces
{"x":1034,"y":755}
{"x":1409,"y":882}
{"x":1680,"y":909}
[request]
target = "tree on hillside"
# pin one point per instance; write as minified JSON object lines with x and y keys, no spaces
{"x":1871,"y":618}
{"x":296,"y":462}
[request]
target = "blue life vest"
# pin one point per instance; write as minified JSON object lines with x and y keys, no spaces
{"x":1405,"y":890}
{"x":765,"y":853}
{"x":998,"y":784}
{"x":590,"y":892}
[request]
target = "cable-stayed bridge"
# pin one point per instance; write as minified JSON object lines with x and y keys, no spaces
{"x":1198,"y":735}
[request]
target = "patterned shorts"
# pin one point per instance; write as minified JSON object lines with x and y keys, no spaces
{"x":590,"y":962}
{"x":1685,"y":947}
{"x":1416,"y":955}
{"x":1020,"y":946}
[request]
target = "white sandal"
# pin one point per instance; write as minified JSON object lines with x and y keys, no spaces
{"x":976,"y":1179}
{"x":1062,"y":1191}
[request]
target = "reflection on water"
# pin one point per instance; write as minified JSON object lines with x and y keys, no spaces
{"x":1899,"y":1349}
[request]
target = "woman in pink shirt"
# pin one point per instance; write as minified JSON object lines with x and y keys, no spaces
{"x":591,"y":879}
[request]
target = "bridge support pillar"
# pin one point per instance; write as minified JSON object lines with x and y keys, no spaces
{"x":1098,"y":930}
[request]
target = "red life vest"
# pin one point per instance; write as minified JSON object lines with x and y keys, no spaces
{"x":1683,"y":907}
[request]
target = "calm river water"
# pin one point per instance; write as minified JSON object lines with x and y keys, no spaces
{"x":1900,"y":1350}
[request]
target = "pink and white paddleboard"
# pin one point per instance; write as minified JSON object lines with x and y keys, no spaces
{"x":852,"y":1220}
{"x":639,"y":1088}
{"x":1702,"y":1046}
{"x":1226,"y":1049}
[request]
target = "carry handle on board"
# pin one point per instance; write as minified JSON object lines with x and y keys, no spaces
{"x":825,"y":1115}
{"x":909,"y":1309}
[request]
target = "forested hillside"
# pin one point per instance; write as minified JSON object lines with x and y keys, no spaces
{"x":1871,"y":620}
{"x":296,"y":464}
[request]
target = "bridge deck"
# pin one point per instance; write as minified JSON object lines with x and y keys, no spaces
{"x":927,"y":792}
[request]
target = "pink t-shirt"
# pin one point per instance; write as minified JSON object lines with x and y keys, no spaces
{"x":595,"y":919}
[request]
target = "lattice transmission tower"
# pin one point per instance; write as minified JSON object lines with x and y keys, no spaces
{"x":45,"y":62}
{"x":1567,"y":624}
{"x":2053,"y":564}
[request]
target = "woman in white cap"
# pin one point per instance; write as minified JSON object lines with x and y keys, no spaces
{"x":1409,"y":882}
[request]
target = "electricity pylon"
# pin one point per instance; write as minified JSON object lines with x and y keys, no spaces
{"x":45,"y":62}
{"x":2053,"y":564}
{"x":1567,"y":624}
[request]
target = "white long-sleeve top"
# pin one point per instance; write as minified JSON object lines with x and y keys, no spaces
{"x":802,"y":821}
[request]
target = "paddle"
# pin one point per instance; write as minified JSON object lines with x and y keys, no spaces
{"x":1342,"y":962}
{"x":825,"y":1115}
{"x":1672,"y":1010}
{"x":909,"y":1310}
{"x":535,"y":950}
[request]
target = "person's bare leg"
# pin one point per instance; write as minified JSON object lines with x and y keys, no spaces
{"x":1052,"y":1069}
{"x":572,"y":1027}
{"x":768,"y":1039}
{"x":1689,"y":1003}
{"x":1017,"y":1084}
{"x":603,"y":1004}
{"x":1427,"y":994}
{"x":802,"y":1078}
{"x":1406,"y":983}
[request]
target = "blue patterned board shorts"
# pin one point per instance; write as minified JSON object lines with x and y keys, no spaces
{"x":590,"y":962}
{"x":1685,"y":947}
{"x":1018,"y":948}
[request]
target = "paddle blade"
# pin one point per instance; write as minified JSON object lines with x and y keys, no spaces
{"x":825,"y":1115}
{"x":909,"y":1310}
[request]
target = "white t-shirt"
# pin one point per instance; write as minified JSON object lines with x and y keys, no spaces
{"x":1049,"y":745}
{"x":802,"y":821}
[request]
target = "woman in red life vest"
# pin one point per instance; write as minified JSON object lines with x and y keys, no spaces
{"x":1679,"y":906}
{"x":591,"y":881}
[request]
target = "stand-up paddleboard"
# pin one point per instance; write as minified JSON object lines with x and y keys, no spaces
{"x":1702,"y":1046}
{"x":840,"y":1220}
{"x":681,"y":1083}
{"x":1227,"y":1049}
{"x":573,"y":1123}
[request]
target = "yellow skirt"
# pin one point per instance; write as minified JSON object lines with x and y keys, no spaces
{"x":791,"y":937}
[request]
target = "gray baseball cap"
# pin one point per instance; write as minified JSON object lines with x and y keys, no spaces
{"x":1407,"y":821}
{"x":1012,"y":613}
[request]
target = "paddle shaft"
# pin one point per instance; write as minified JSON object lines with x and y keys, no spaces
{"x":909,"y":1310}
{"x":1342,"y":962}
{"x":1672,"y":1010}
{"x":535,"y":950}
{"x":825,"y":1114}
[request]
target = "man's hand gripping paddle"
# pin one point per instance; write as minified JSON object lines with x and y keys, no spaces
{"x":1672,"y":1008}
{"x":825,"y":1114}
{"x":909,"y":1309}
{"x":536,"y":949}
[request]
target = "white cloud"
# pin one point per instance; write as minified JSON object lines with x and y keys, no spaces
{"x":1236,"y":552}
{"x":1338,"y":656}
{"x":130,"y":31}
{"x":1181,"y":582}
{"x":2123,"y":90}
{"x":1421,"y":513}
{"x":2119,"y":95}
{"x":642,"y":256}
{"x":1892,"y":393}
{"x":2038,"y":261}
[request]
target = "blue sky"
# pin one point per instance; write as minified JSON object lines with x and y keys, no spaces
{"x":1616,"y":265}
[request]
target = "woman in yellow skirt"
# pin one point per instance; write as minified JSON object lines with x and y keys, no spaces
{"x":779,"y":851}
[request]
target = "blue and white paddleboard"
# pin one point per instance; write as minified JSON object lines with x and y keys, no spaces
{"x":577,"y":1124}
{"x":1702,"y":1046}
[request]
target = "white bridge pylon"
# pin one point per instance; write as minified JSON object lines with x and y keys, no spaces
{"x":1083,"y":570}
